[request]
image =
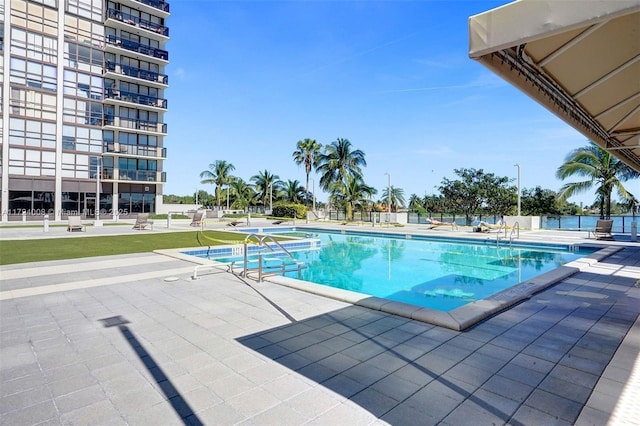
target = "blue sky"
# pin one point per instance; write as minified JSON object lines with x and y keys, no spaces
{"x":248,"y":79}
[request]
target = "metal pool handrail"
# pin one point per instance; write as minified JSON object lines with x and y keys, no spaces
{"x":262,"y":243}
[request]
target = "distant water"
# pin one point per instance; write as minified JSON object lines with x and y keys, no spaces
{"x":620,"y":223}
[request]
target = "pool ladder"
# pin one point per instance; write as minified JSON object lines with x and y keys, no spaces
{"x":515,"y":228}
{"x":288,"y":263}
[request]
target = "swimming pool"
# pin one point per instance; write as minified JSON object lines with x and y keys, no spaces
{"x":425,"y":272}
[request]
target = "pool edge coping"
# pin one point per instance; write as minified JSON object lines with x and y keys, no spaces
{"x":458,"y":319}
{"x":461,"y":318}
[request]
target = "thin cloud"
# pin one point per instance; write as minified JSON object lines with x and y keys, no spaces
{"x":485,"y":81}
{"x":180,"y":73}
{"x":442,"y":151}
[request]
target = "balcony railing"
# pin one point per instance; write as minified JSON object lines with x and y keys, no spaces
{"x":137,"y":47}
{"x":130,"y":123}
{"x":138,"y":73}
{"x":158,"y":4}
{"x":136,"y":175}
{"x":142,"y":175}
{"x":135,"y":98}
{"x":143,"y":151}
{"x":138,"y":22}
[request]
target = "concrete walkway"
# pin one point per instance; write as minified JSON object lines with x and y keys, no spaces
{"x":133,"y":340}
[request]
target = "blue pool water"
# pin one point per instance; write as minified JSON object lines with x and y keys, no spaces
{"x":441,"y":275}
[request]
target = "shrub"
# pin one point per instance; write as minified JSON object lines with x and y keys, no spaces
{"x":297,"y":211}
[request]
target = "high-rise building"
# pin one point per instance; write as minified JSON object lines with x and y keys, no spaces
{"x":82,"y":85}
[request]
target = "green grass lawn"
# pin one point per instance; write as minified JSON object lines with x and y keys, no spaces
{"x":22,"y":251}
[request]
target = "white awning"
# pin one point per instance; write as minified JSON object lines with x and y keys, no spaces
{"x":579,"y":59}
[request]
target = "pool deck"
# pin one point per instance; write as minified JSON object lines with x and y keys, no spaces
{"x":134,"y":340}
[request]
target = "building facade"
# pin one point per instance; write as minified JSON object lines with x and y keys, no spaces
{"x":82,"y":124}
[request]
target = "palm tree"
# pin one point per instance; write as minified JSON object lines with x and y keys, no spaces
{"x":415,"y":202}
{"x":266,"y":184}
{"x":219,"y":175}
{"x":601,"y":169}
{"x":307,"y":153}
{"x":354,"y":192}
{"x":397,"y":198}
{"x":242,"y":193}
{"x":293,"y":192}
{"x":339,"y":161}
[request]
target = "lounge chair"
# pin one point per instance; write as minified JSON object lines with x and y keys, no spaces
{"x":603,"y":230}
{"x":74,"y":224}
{"x":490,"y":227}
{"x":197,"y":219}
{"x":235,"y":223}
{"x":142,"y":221}
{"x":434,"y":223}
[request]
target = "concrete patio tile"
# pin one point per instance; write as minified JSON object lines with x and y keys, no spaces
{"x":432,"y":403}
{"x":364,"y":350}
{"x":416,"y":374}
{"x":160,"y":414}
{"x":584,"y":364}
{"x":39,"y":413}
{"x":407,"y":352}
{"x":484,"y":362}
{"x":344,"y":385}
{"x":407,"y":415}
{"x":244,"y":361}
{"x":521,"y":374}
{"x":603,"y":402}
{"x":468,"y":374}
{"x":337,"y":343}
{"x":435,"y":364}
{"x":338,"y":362}
{"x":450,"y":351}
{"x":202,"y":398}
{"x":546,"y":350}
{"x":389,"y":361}
{"x":22,"y":384}
{"x":124,"y":383}
{"x":185,"y":383}
{"x":497,"y":352}
{"x":530,"y":416}
{"x":214,"y":372}
{"x":366,"y":373}
{"x":590,"y":416}
{"x":120,"y":367}
{"x":566,"y":389}
{"x":66,"y":372}
{"x":396,"y":388}
{"x":253,"y":402}
{"x":314,"y":402}
{"x":231,"y":385}
{"x":346,"y":414}
{"x":137,"y":399}
{"x":532,"y":363}
{"x":317,"y":372}
{"x":574,"y":376}
{"x":81,"y":398}
{"x":17,"y":369}
{"x":377,"y":403}
{"x":21,"y":400}
{"x":554,"y":405}
{"x":482,"y":408}
{"x":294,"y":361}
{"x":279,"y":414}
{"x":512,"y":341}
{"x":508,"y":388}
{"x":102,"y":412}
{"x":316,"y":352}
